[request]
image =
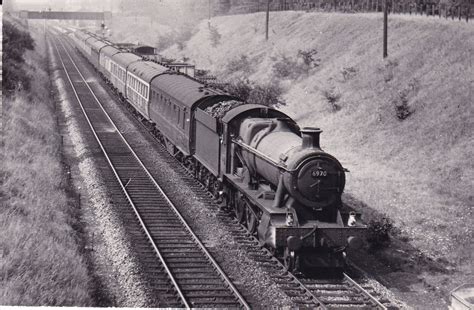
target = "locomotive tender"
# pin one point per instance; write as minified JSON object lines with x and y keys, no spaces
{"x":255,"y":159}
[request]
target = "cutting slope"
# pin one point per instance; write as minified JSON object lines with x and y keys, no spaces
{"x":418,"y":170}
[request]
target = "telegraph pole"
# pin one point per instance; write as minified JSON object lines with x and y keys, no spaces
{"x":385,"y":31}
{"x":267,"y":20}
{"x":209,"y":18}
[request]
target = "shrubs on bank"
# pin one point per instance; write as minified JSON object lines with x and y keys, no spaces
{"x":41,"y":260}
{"x":286,"y":67}
{"x":266,"y":94}
{"x":15,"y":43}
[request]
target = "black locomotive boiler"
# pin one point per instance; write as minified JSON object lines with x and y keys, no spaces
{"x":255,"y":159}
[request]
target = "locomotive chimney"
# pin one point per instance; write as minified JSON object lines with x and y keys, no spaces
{"x":310,"y":137}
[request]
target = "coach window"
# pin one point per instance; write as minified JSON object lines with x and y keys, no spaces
{"x":184,"y":118}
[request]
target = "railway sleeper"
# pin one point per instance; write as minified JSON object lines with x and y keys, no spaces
{"x":165,"y":220}
{"x":206,"y":288}
{"x":209,"y":294}
{"x":180,"y":254}
{"x":328,"y":287}
{"x":201,"y":271}
{"x":335,"y":301}
{"x":188,"y":265}
{"x":190,"y":246}
{"x":171,"y":228}
{"x":183,"y":260}
{"x":339,"y":294}
{"x":216,"y":281}
{"x":213,"y":303}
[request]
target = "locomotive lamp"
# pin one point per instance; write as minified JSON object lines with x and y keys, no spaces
{"x":290,"y":221}
{"x":352,"y":219}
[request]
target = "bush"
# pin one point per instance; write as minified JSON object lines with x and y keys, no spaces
{"x":402,"y":110}
{"x":165,"y":41}
{"x":179,"y":37}
{"x":348,"y":73}
{"x":308,"y":58}
{"x":389,"y":70}
{"x":333,"y":95}
{"x":401,"y":101}
{"x":286,"y":67}
{"x":239,"y":64}
{"x":201,"y":72}
{"x":268,"y":94}
{"x":15,"y":44}
{"x":378,"y":233}
{"x":215,"y":36}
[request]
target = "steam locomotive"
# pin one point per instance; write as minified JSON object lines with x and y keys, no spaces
{"x":255,"y":159}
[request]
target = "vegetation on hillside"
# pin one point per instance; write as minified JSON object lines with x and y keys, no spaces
{"x":255,"y":93}
{"x":15,"y":43}
{"x":40,"y":254}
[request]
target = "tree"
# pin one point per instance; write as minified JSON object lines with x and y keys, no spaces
{"x":15,"y":44}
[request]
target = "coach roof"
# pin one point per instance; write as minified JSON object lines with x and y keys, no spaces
{"x":147,"y":70}
{"x":183,"y":88}
{"x":82,"y":35}
{"x":125,"y":59}
{"x":96,"y":44}
{"x":109,"y":50}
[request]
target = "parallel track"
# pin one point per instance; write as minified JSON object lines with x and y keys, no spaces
{"x":184,"y":274}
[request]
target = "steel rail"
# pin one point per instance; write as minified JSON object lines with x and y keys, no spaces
{"x":364,"y":291}
{"x":118,"y":178}
{"x":183,"y":221}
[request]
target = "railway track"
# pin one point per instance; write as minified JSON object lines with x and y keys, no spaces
{"x":181,"y":270}
{"x":322,"y":293}
{"x":315,"y":293}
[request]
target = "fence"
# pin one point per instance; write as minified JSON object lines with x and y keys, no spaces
{"x":455,"y":10}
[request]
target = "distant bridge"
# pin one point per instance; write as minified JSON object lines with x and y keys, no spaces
{"x":65,"y":15}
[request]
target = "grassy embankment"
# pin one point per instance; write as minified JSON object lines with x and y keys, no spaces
{"x":41,"y":261}
{"x":403,"y":126}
